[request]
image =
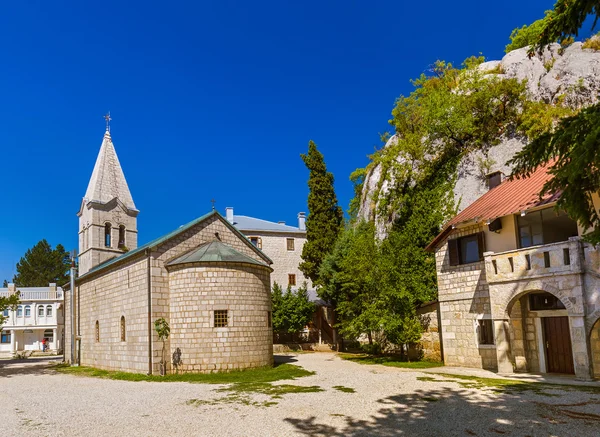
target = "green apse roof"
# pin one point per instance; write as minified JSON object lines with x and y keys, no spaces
{"x":215,"y":251}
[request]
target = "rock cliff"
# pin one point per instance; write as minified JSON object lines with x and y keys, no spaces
{"x":571,"y":74}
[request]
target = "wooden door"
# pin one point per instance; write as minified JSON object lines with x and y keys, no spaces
{"x":559,"y":356}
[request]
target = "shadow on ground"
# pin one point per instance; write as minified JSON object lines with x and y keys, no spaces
{"x":31,"y":366}
{"x":461,"y":412}
{"x":283,"y":359}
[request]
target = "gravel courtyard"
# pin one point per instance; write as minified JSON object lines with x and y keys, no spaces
{"x":38,"y":401}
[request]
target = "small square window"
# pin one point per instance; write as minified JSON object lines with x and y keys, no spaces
{"x":291,"y":280}
{"x":290,"y":244}
{"x":485,"y":332}
{"x":220,"y":318}
{"x":256,"y":241}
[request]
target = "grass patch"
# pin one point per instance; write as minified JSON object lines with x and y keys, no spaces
{"x":275,"y":391}
{"x":344,"y":389}
{"x":592,"y":43}
{"x":260,"y":375}
{"x":389,"y":360}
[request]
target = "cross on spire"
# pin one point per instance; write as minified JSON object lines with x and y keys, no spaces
{"x":108,"y":119}
{"x":213,"y":203}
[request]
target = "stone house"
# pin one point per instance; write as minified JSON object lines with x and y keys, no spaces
{"x":205,"y":278}
{"x":283,"y":244}
{"x":38,"y":316}
{"x":519,"y":290}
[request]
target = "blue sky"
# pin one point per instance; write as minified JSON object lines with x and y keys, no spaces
{"x":210,"y":99}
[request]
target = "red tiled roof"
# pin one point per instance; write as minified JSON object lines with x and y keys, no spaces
{"x":510,"y":197}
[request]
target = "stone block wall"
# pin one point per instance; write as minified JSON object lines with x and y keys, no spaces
{"x":429,"y":347}
{"x":464,"y":297}
{"x":595,"y":349}
{"x":285,"y":262}
{"x":196,"y":292}
{"x":104,"y":299}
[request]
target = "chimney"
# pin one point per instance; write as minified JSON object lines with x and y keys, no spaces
{"x":281,"y":223}
{"x":52,"y":286}
{"x":11,"y":288}
{"x":229,"y":214}
{"x":302,"y":221}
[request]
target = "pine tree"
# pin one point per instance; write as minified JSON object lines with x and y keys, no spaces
{"x":42,"y":265}
{"x":324,"y":221}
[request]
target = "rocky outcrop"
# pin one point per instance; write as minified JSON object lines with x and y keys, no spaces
{"x":571,"y":74}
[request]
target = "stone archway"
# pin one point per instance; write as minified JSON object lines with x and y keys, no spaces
{"x":520,"y":342}
{"x":595,"y":348}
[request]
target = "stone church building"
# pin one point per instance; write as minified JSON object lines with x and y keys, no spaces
{"x":205,"y":278}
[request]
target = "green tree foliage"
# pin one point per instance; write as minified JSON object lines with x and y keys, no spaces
{"x":573,"y":145}
{"x":325,"y":217}
{"x":376,"y":286}
{"x":42,"y":265}
{"x":163,"y":330}
{"x":565,"y":20}
{"x":7,"y":303}
{"x":574,"y":149}
{"x":292,"y":310}
{"x":528,"y":35}
{"x":349,"y":276}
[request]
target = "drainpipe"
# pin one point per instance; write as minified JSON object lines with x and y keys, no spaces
{"x":148,"y":280}
{"x":72,"y":294}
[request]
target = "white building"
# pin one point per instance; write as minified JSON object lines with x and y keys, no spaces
{"x":39,"y":315}
{"x":280,"y":242}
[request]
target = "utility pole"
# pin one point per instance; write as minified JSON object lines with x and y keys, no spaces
{"x":72,"y":298}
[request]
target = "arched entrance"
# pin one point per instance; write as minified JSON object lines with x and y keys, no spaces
{"x":539,"y":334}
{"x":595,"y":348}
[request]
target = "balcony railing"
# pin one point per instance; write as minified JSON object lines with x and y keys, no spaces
{"x":35,"y":295}
{"x":537,"y":261}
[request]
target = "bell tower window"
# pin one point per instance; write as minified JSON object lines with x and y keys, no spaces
{"x":107,"y":230}
{"x":121,"y":237}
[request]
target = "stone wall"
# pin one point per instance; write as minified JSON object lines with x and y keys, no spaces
{"x":429,"y":347}
{"x":196,"y":292}
{"x":285,"y":262}
{"x":464,"y":297}
{"x":122,"y":291}
{"x":595,"y":349}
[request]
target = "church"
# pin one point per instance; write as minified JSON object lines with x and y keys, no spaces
{"x":205,"y":278}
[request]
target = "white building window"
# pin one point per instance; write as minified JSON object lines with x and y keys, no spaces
{"x":40,"y":311}
{"x":19,"y":311}
{"x":49,"y":311}
{"x":27,"y":311}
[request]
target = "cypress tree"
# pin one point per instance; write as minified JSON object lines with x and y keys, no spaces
{"x":325,"y":217}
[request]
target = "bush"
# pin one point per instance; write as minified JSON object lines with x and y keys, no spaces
{"x":592,"y":43}
{"x":371,"y":349}
{"x":526,"y":35}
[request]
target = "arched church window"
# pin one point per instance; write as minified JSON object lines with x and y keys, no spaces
{"x":121,"y":236}
{"x":97,"y":331}
{"x":107,"y":229}
{"x":122,"y":328}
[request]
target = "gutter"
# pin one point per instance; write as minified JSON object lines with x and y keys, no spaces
{"x":149,"y":282}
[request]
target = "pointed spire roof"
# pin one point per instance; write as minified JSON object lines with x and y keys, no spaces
{"x":108,"y":181}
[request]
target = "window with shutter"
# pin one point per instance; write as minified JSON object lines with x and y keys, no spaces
{"x":453,"y":252}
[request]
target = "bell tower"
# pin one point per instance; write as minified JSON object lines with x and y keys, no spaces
{"x":107,"y":215}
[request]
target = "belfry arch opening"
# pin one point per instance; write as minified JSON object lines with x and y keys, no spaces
{"x":107,"y":236}
{"x":121,"y":237}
